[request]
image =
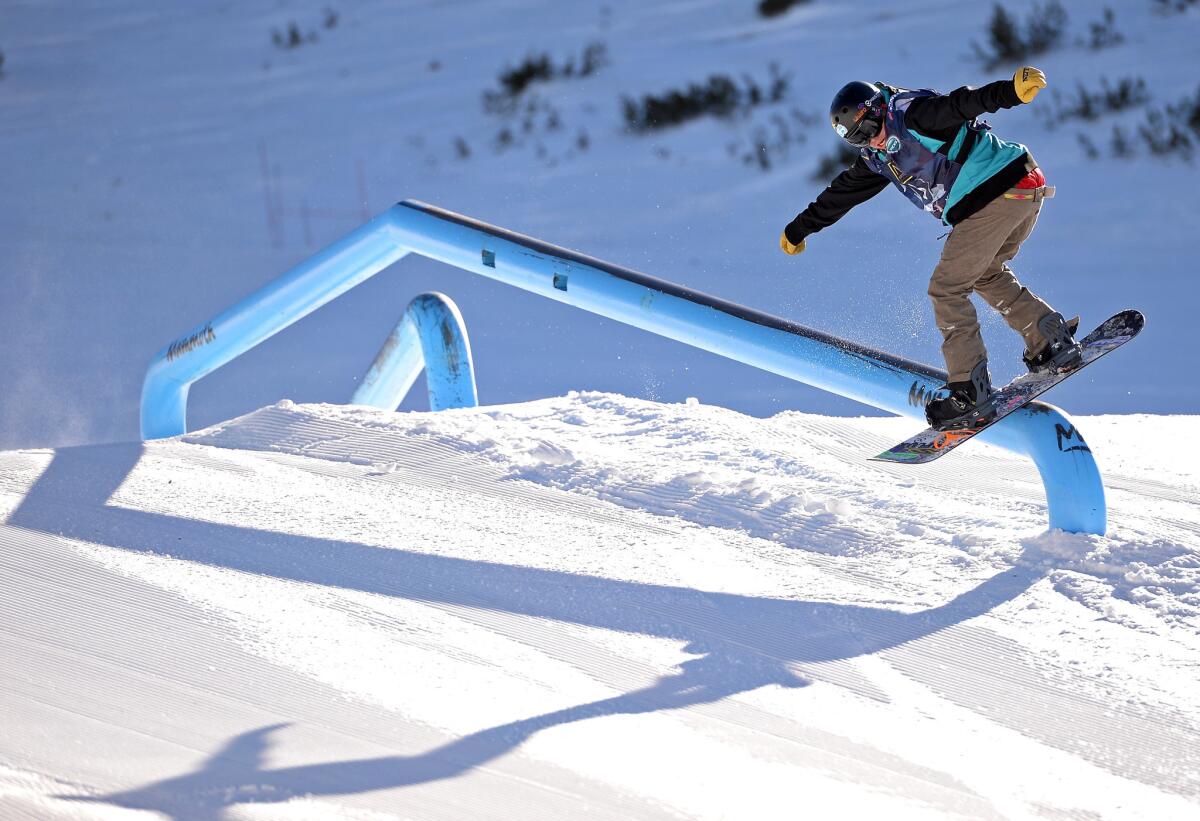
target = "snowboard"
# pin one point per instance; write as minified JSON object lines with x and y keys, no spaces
{"x":931,"y":443}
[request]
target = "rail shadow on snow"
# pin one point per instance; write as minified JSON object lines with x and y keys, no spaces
{"x":742,"y":643}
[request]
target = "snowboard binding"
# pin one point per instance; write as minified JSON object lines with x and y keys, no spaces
{"x":1062,"y":353}
{"x":967,"y":404}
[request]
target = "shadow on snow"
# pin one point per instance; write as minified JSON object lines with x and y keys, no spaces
{"x":742,"y":642}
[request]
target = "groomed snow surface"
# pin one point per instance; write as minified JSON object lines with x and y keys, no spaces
{"x":593,"y":607}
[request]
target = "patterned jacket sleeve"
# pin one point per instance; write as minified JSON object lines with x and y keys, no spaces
{"x":852,"y":187}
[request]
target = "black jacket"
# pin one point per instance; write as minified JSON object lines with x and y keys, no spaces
{"x":938,"y":117}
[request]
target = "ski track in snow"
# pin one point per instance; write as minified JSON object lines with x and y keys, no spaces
{"x":590,"y":606}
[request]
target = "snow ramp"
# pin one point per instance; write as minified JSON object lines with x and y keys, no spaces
{"x":592,"y":607}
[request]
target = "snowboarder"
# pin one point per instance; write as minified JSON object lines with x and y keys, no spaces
{"x":988,"y":190}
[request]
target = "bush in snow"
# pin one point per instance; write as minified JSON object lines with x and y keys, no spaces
{"x":1189,"y":112}
{"x":771,"y":142}
{"x":532,"y":123}
{"x":1128,"y":92}
{"x":1089,"y":148}
{"x":1104,"y":34}
{"x":1163,"y":135}
{"x":833,"y":164}
{"x":1120,"y":143}
{"x":290,"y":37}
{"x":720,"y":96}
{"x":532,"y":69}
{"x":1173,"y":6}
{"x":1175,"y":130}
{"x":1171,"y":131}
{"x":540,"y":68}
{"x":1088,"y":104}
{"x":774,"y":8}
{"x":1012,"y":41}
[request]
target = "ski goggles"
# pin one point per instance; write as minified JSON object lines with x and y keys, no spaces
{"x":867,"y":123}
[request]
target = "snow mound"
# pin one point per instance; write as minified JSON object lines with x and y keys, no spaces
{"x":591,"y":606}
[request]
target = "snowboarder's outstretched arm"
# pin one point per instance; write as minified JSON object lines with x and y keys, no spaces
{"x":852,"y":187}
{"x":941,"y":116}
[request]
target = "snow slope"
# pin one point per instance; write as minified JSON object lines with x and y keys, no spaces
{"x":162,"y":160}
{"x":593,"y":607}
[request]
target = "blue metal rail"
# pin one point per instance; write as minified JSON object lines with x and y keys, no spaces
{"x":1074,"y":489}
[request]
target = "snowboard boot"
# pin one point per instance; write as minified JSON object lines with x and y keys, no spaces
{"x":1062,"y":353}
{"x":966,"y":405}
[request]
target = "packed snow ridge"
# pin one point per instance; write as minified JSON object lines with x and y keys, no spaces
{"x":593,"y":607}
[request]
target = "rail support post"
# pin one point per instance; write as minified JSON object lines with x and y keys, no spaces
{"x":431,"y":334}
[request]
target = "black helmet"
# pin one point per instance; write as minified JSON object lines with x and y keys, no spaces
{"x":856,"y":112}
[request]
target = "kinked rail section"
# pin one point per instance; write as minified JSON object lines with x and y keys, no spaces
{"x":1074,"y":489}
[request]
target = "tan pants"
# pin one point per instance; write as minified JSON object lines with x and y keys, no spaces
{"x":975,"y":258}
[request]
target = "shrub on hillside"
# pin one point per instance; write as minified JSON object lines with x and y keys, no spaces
{"x":533,"y":123}
{"x":1011,"y":40}
{"x":534,"y":68}
{"x":1173,"y":131}
{"x":1188,"y":112}
{"x":1089,"y":148}
{"x":1104,"y":34}
{"x":293,"y":37}
{"x":1089,"y":104}
{"x":1173,"y":6}
{"x":1170,"y":131}
{"x":540,"y":68}
{"x":719,"y":96}
{"x":290,"y":37}
{"x":1164,"y":135}
{"x":774,"y":8}
{"x":771,"y":141}
{"x":833,"y":164}
{"x":1121,"y":146}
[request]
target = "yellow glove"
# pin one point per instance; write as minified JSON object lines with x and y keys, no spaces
{"x":1028,"y":81}
{"x":789,"y":248}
